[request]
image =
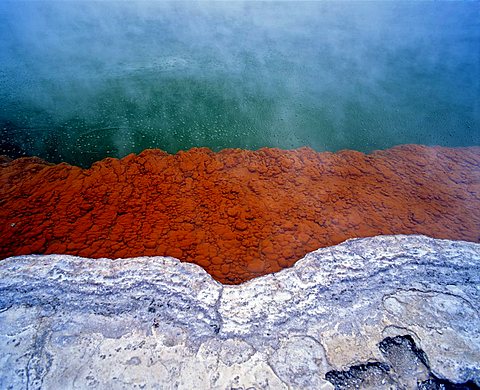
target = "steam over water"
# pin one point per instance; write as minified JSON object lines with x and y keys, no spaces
{"x":80,"y":81}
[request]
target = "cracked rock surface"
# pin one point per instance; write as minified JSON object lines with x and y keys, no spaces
{"x":388,"y":312}
{"x":237,"y":213}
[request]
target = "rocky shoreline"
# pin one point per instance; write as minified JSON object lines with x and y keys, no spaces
{"x":383,"y":312}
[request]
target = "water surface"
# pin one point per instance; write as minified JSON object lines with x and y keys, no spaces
{"x":80,"y":81}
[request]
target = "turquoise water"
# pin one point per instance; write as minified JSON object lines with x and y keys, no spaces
{"x":80,"y":81}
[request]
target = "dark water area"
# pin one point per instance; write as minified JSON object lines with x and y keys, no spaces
{"x":80,"y":81}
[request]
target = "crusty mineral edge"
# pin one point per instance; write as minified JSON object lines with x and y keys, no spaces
{"x":237,"y":213}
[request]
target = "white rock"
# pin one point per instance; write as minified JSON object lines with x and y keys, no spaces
{"x":68,"y":322}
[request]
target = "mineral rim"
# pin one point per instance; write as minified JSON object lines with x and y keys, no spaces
{"x":390,"y":312}
{"x":239,"y":214}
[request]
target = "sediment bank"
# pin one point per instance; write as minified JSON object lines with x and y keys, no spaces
{"x":237,"y":213}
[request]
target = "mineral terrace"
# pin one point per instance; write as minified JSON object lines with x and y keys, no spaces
{"x":391,"y":312}
{"x":239,"y":214}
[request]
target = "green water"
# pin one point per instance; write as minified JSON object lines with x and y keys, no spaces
{"x":82,"y":81}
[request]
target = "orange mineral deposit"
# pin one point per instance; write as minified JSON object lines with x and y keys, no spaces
{"x":237,"y":213}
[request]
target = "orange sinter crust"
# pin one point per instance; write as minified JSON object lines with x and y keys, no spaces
{"x":237,"y":213}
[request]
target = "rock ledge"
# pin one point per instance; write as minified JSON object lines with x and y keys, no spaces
{"x":381,"y":312}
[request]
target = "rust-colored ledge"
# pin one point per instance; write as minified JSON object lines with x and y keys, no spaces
{"x":237,"y":213}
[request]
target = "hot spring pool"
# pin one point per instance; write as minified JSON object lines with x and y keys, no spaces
{"x":82,"y":81}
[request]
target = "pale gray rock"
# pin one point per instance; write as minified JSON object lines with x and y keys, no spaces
{"x":393,"y":312}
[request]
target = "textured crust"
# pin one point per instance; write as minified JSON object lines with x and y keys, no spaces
{"x":237,"y":213}
{"x":389,"y":312}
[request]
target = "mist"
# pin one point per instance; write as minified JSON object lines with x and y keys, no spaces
{"x":81,"y":81}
